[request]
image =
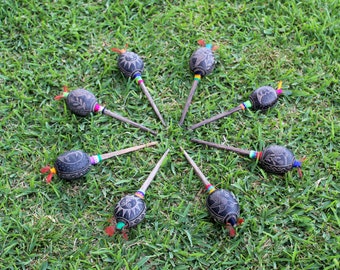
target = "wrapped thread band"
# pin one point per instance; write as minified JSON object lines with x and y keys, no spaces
{"x":245,"y":105}
{"x":95,"y":159}
{"x":140,"y":194}
{"x":255,"y":155}
{"x":210,"y":188}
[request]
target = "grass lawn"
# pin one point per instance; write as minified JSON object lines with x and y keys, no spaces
{"x":290,"y":222}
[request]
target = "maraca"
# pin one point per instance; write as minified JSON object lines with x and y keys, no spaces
{"x":82,"y":102}
{"x":131,"y":209}
{"x":131,"y":65}
{"x":261,"y":99}
{"x":202,"y":62}
{"x":273,"y":159}
{"x":222,"y":204}
{"x":76,"y":163}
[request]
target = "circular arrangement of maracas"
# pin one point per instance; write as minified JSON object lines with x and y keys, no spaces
{"x":261,"y":99}
{"x":82,"y":102}
{"x":131,"y":209}
{"x":76,"y":163}
{"x":202,"y":62}
{"x":222,"y":204}
{"x":131,"y":65}
{"x":273,"y":159}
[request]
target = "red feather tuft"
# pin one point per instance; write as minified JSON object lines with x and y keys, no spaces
{"x":110,"y":230}
{"x":58,"y":97}
{"x":231,"y":229}
{"x":125,"y":235}
{"x":240,"y":221}
{"x":45,"y":169}
{"x":201,"y":42}
{"x":49,"y":178}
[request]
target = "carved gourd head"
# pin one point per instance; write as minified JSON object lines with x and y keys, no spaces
{"x":81,"y":102}
{"x":263,"y":98}
{"x":72,"y":164}
{"x":130,"y":211}
{"x":278,"y":159}
{"x":129,"y":63}
{"x":202,"y":61}
{"x":224,"y":208}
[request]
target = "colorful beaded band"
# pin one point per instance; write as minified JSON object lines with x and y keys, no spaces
{"x":140,"y":194}
{"x":255,"y":154}
{"x":138,"y":78}
{"x":95,"y":159}
{"x":210,"y":188}
{"x":279,"y":88}
{"x":279,"y":92}
{"x":197,"y":77}
{"x":297,"y":164}
{"x":209,"y":46}
{"x":98,"y":108}
{"x":245,"y":105}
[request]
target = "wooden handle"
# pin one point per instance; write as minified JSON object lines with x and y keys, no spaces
{"x":153,"y":105}
{"x":216,"y":117}
{"x":187,"y":104}
{"x":126,"y":150}
{"x":224,"y":147}
{"x":153,"y":172}
{"x":196,"y":169}
{"x":128,"y":121}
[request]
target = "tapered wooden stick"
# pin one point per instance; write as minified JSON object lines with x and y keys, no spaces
{"x":187,"y":104}
{"x":153,"y":172}
{"x":128,"y":121}
{"x":216,"y":117}
{"x":223,"y":147}
{"x":196,"y":168}
{"x":131,"y":65}
{"x":83,"y":102}
{"x":127,"y":150}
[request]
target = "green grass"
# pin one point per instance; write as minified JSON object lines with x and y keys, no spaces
{"x":290,"y":223}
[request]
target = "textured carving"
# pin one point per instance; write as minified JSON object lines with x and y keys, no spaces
{"x":81,"y":102}
{"x":130,"y":64}
{"x":130,"y":210}
{"x":72,"y":164}
{"x":277,"y":159}
{"x":202,"y":61}
{"x":223,"y":206}
{"x":263,"y":98}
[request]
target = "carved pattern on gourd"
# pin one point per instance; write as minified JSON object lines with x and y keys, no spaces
{"x":202,"y":61}
{"x":72,"y":164}
{"x":130,"y":63}
{"x":81,"y":102}
{"x":130,"y":210}
{"x":263,"y":98}
{"x":277,"y":159}
{"x":223,"y":205}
